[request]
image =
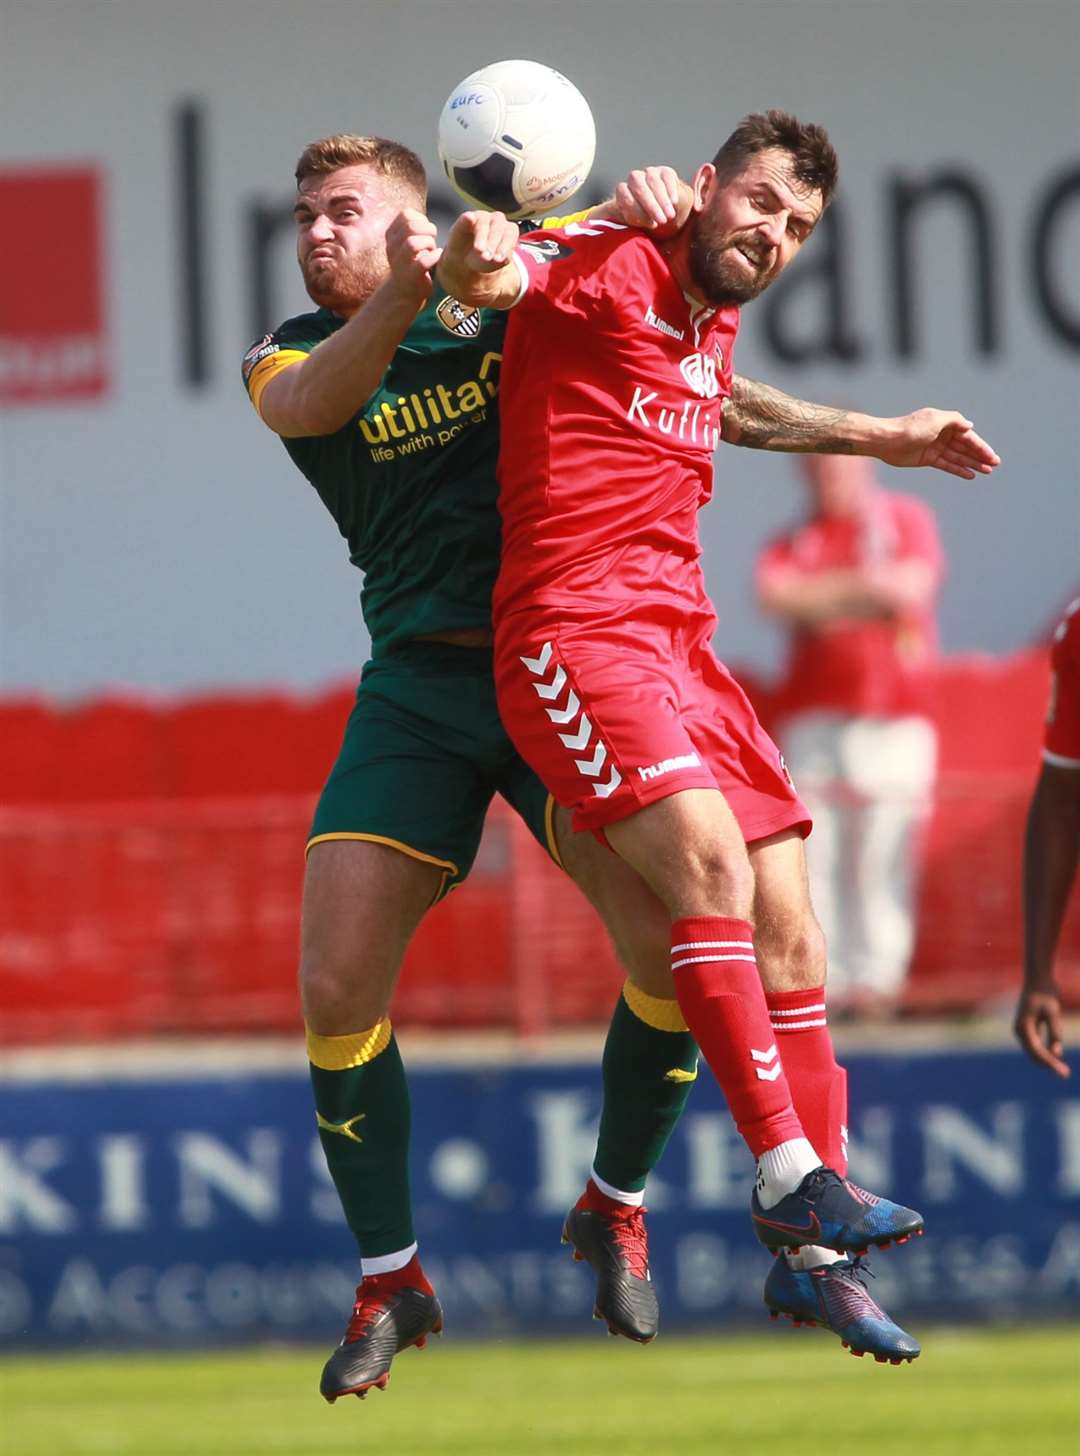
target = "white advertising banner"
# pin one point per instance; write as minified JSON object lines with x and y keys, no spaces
{"x":154,"y":535}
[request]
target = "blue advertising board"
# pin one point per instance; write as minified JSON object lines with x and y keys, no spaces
{"x":189,"y":1210}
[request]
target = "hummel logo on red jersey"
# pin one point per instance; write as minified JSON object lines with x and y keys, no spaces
{"x":656,"y":322}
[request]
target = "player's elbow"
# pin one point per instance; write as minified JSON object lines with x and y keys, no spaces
{"x":316,"y":418}
{"x":730,"y":430}
{"x":299,"y":412}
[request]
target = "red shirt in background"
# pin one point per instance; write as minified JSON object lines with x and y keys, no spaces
{"x":1061,"y":742}
{"x":870,"y":667}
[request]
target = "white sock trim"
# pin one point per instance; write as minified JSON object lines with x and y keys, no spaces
{"x":780,"y":1170}
{"x":620,"y":1195}
{"x":813,"y":1256}
{"x":387,"y":1263}
{"x":747,"y":956}
{"x":715,"y":945}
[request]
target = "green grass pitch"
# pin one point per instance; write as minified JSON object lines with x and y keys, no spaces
{"x":973,"y":1393}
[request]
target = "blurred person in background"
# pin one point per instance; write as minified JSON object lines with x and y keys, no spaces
{"x":856,"y":583}
{"x":1052,"y":853}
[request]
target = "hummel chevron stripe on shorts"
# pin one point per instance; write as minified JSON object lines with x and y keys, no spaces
{"x":551,"y":686}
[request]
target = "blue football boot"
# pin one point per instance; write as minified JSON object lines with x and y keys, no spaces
{"x":835,"y":1296}
{"x":826,"y":1209}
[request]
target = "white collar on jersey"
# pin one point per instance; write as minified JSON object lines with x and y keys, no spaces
{"x":700,"y":313}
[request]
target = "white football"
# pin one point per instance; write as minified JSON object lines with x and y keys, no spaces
{"x":516,"y":137}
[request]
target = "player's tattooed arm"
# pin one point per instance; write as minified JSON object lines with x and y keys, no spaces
{"x":760,"y":417}
{"x":763,"y":418}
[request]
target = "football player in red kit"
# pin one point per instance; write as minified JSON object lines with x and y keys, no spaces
{"x":1052,"y":853}
{"x":617,"y":388}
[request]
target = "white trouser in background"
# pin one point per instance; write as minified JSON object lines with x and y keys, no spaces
{"x":868,"y":783}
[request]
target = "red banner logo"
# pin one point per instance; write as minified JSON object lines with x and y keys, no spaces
{"x":53,"y":343}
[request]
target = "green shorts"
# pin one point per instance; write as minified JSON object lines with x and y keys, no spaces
{"x":423,"y":753}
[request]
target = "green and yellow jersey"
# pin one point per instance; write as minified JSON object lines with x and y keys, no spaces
{"x":410,"y":480}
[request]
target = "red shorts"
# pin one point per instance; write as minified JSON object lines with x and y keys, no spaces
{"x":613,"y":712}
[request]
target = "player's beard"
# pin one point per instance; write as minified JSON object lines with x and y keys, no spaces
{"x":344,"y":281}
{"x":720,"y":277}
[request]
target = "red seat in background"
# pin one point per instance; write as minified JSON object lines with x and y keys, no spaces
{"x":151,"y":858}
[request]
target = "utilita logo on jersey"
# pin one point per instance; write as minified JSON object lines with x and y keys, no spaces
{"x":699,"y":424}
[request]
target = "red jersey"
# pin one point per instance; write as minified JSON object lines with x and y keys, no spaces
{"x":610,"y":401}
{"x":1061,"y":742}
{"x":861,"y":666}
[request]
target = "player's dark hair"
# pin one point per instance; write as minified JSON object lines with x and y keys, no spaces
{"x":813,"y":158}
{"x":389,"y":159}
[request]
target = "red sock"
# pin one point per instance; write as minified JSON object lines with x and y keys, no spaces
{"x":818,"y":1084}
{"x":720,"y":995}
{"x":410,"y":1276}
{"x":595,"y":1200}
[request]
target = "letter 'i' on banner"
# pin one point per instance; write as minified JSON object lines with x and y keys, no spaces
{"x":53,"y":343}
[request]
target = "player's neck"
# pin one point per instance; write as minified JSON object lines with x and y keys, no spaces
{"x":676,"y":254}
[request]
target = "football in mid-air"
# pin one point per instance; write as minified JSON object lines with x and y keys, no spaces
{"x":516,"y":137}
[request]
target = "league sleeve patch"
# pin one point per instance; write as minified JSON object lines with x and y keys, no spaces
{"x":545,"y":250}
{"x":257,"y":353}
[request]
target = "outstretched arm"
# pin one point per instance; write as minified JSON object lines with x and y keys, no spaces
{"x":477,"y":265}
{"x":763,"y":418}
{"x":653,"y":198}
{"x":1051,"y":856}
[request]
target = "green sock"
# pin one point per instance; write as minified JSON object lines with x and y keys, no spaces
{"x":649,"y":1066}
{"x":362,"y":1109}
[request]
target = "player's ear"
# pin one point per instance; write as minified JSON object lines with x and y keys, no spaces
{"x":704,"y":184}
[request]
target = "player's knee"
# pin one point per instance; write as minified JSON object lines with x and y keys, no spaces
{"x":338,"y":992}
{"x":647,"y":962}
{"x":321,"y":984}
{"x":720,"y":880}
{"x":791,"y":953}
{"x":805,"y":952}
{"x":809,"y":953}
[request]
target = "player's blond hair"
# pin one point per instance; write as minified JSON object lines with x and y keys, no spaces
{"x":389,"y":159}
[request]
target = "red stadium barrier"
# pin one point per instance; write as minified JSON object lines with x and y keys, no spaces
{"x":181,"y":917}
{"x":151,"y":861}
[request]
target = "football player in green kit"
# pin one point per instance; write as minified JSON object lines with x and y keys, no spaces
{"x":385,"y":398}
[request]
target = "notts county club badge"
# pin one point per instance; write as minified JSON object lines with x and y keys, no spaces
{"x":459,"y":319}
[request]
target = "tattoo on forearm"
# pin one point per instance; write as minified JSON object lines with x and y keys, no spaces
{"x":762,"y":418}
